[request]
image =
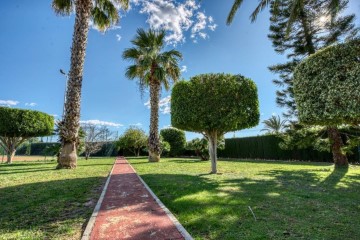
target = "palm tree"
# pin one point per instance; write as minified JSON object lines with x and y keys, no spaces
{"x":274,"y":125}
{"x":103,"y":14}
{"x":296,"y":9}
{"x":154,"y":68}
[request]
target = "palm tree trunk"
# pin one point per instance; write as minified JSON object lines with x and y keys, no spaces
{"x":336,"y":142}
{"x":154,"y":144}
{"x":69,"y":127}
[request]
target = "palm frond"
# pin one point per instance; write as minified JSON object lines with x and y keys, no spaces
{"x":104,"y":14}
{"x":63,"y":7}
{"x":261,"y":6}
{"x":235,"y":7}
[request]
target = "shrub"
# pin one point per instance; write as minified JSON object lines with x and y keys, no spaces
{"x":176,"y":138}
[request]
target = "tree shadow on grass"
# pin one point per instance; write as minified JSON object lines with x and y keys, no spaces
{"x":287,"y":204}
{"x":48,"y":209}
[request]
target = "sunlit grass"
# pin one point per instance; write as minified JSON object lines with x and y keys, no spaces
{"x":39,"y":202}
{"x":290,"y":200}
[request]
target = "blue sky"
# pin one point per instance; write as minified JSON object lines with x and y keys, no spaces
{"x":35,"y":44}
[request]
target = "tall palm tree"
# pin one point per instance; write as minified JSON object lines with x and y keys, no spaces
{"x":154,"y":68}
{"x":274,"y":125}
{"x":103,"y":14}
{"x":296,"y":8}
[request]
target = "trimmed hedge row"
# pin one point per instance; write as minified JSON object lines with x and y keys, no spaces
{"x":36,"y":149}
{"x":267,"y":147}
{"x":260,"y":147}
{"x":107,"y":149}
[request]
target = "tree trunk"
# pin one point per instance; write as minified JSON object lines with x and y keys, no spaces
{"x":69,"y":127}
{"x":213,"y":151}
{"x":87,"y":155}
{"x":336,"y":142}
{"x":308,"y":35}
{"x":10,"y":156}
{"x":138,"y":152}
{"x":154,"y":144}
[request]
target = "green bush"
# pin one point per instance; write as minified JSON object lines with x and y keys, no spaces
{"x":214,"y":104}
{"x":25,"y":123}
{"x":176,"y":138}
{"x":326,"y":86}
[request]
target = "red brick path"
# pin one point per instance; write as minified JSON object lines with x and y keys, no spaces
{"x":128,"y":210}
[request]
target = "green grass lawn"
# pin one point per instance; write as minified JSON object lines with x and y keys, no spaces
{"x":39,"y":202}
{"x":291,"y":200}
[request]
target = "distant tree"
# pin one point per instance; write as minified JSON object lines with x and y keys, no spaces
{"x":176,"y":138}
{"x":133,"y":139}
{"x":201,"y":147}
{"x":330,"y":7}
{"x":154,"y":68}
{"x":94,"y":137}
{"x":164,"y":146}
{"x":312,"y":31}
{"x":103,"y":14}
{"x":18,"y":125}
{"x":301,"y":136}
{"x":214,"y":104}
{"x":274,"y":125}
{"x":326,"y":88}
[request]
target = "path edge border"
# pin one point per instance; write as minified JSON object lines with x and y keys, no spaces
{"x":176,"y":222}
{"x":90,"y":225}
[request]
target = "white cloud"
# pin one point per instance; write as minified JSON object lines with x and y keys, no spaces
{"x":176,"y":18}
{"x":183,"y":68}
{"x":118,"y":37}
{"x":166,"y":126}
{"x":136,"y":124}
{"x":101,"y":123}
{"x":8,"y":103}
{"x":30,"y":104}
{"x":213,"y":27}
{"x":199,"y":26}
{"x":164,"y":105}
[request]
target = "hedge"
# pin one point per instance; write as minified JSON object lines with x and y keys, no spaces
{"x":107,"y":149}
{"x":267,"y":147}
{"x":36,"y":149}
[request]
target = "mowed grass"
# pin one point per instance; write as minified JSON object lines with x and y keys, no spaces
{"x":290,"y":200}
{"x":39,"y":202}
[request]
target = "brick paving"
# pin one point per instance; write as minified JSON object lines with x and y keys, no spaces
{"x":129,"y":211}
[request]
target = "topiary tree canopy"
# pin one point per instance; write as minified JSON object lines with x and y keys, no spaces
{"x":18,"y":125}
{"x":176,"y":138}
{"x":326,"y":89}
{"x":327,"y":84}
{"x":214,"y":104}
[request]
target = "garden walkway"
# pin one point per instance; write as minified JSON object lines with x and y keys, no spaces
{"x":128,"y":209}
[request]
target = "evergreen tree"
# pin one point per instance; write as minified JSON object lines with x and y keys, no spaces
{"x":312,"y":29}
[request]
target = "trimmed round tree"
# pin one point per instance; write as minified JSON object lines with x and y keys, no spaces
{"x":214,"y":104}
{"x":176,"y":138}
{"x":18,"y":125}
{"x":326,"y":89}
